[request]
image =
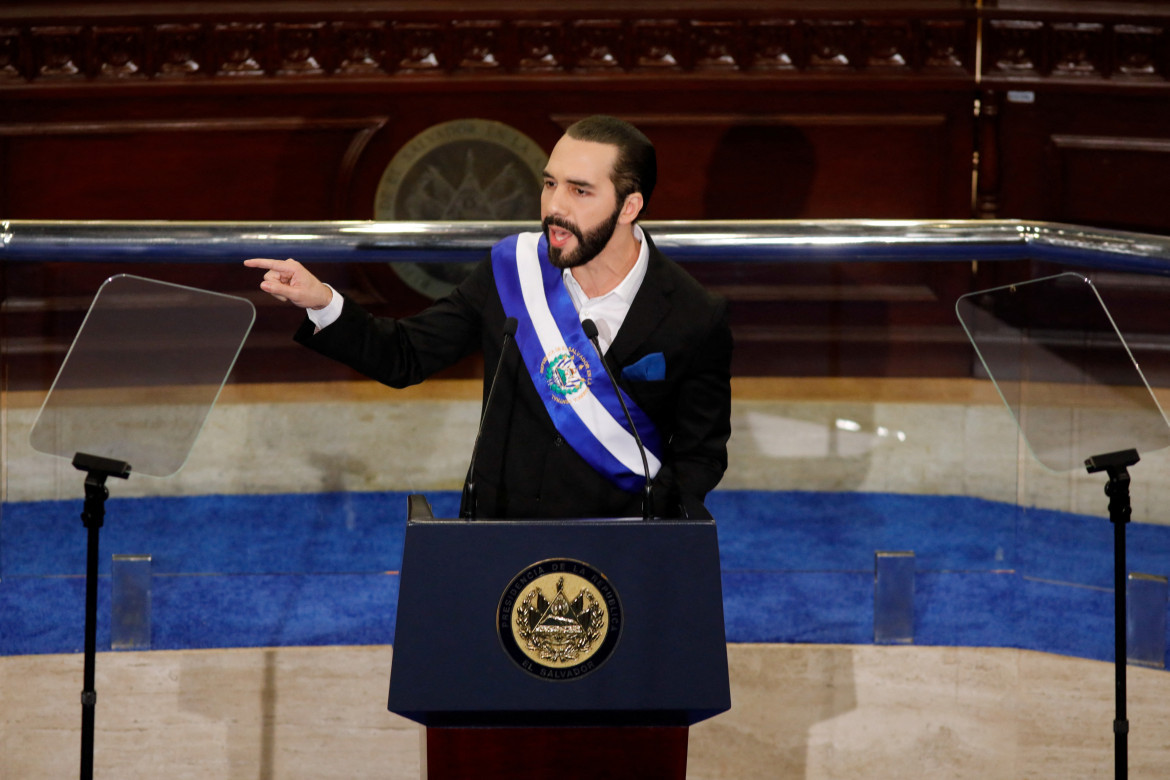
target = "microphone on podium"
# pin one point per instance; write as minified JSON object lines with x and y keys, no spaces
{"x":590,"y":328}
{"x":467,"y":510}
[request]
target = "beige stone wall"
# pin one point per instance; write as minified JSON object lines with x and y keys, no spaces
{"x":932,"y":437}
{"x":807,"y":712}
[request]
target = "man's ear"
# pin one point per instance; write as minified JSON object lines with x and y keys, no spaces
{"x":631,"y":208}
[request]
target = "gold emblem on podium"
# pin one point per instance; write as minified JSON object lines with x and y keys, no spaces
{"x":559,"y":619}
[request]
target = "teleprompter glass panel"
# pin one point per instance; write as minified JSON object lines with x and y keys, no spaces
{"x":142,"y":374}
{"x":1063,"y":369}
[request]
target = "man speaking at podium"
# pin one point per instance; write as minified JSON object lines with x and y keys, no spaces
{"x":556,"y":440}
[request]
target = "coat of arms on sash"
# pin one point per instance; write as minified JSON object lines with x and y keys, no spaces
{"x":567,"y":373}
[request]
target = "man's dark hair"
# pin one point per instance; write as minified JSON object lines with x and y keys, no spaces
{"x":636,"y":167}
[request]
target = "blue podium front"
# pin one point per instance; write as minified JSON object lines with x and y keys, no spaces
{"x":560,"y":623}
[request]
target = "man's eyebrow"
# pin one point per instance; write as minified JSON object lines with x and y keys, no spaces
{"x":575,"y":182}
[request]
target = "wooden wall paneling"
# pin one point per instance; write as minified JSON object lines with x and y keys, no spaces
{"x":1083,"y":93}
{"x":214,"y":169}
{"x":403,"y":53}
{"x":903,"y":158}
{"x":759,"y":110}
{"x":1117,"y":180}
{"x":804,"y":165}
{"x":1091,"y":159}
{"x":813,"y":161}
{"x":909,"y":163}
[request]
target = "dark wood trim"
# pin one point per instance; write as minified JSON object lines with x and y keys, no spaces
{"x":307,"y":42}
{"x":646,"y":753}
{"x":986,"y":204}
{"x":363,"y":125}
{"x":1111,"y":143}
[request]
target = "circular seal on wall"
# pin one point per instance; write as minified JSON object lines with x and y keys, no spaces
{"x":559,"y":619}
{"x":465,"y":169}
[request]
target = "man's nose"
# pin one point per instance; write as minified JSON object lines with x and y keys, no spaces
{"x":555,"y":201}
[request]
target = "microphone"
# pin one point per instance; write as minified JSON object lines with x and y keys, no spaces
{"x":467,"y":504}
{"x":590,"y":328}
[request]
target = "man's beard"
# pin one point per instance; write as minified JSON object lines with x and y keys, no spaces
{"x":589,"y":245}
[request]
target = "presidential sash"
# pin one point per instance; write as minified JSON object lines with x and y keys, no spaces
{"x":564,"y":366}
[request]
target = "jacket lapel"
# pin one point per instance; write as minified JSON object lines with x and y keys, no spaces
{"x":651,"y":304}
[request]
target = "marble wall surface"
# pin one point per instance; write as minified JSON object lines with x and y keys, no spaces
{"x":803,"y":711}
{"x":807,"y":712}
{"x":946,"y":437}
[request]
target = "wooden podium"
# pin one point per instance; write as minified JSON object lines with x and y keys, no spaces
{"x":558,"y":648}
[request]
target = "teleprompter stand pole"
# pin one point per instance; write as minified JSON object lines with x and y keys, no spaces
{"x":93,"y":515}
{"x":1115,"y":464}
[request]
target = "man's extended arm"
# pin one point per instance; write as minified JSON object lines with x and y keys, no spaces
{"x":396,"y":352}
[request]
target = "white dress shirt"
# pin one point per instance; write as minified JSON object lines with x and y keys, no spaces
{"x":607,"y":311}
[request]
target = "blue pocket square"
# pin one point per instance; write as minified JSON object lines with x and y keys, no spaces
{"x":651,"y":368}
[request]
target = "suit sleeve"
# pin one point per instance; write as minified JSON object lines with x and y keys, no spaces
{"x":702,"y":426}
{"x":404,"y":352}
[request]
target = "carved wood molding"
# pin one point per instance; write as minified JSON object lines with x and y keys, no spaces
{"x":1062,"y":42}
{"x":1079,"y":48}
{"x":292,"y":48}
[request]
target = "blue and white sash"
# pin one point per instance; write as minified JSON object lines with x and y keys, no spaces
{"x":564,"y":366}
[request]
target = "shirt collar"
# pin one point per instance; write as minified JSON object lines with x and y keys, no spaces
{"x":628,"y":287}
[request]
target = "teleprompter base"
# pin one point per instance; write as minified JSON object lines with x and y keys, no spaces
{"x":572,"y":753}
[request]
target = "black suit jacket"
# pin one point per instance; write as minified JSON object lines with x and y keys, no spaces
{"x":524,"y":468}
